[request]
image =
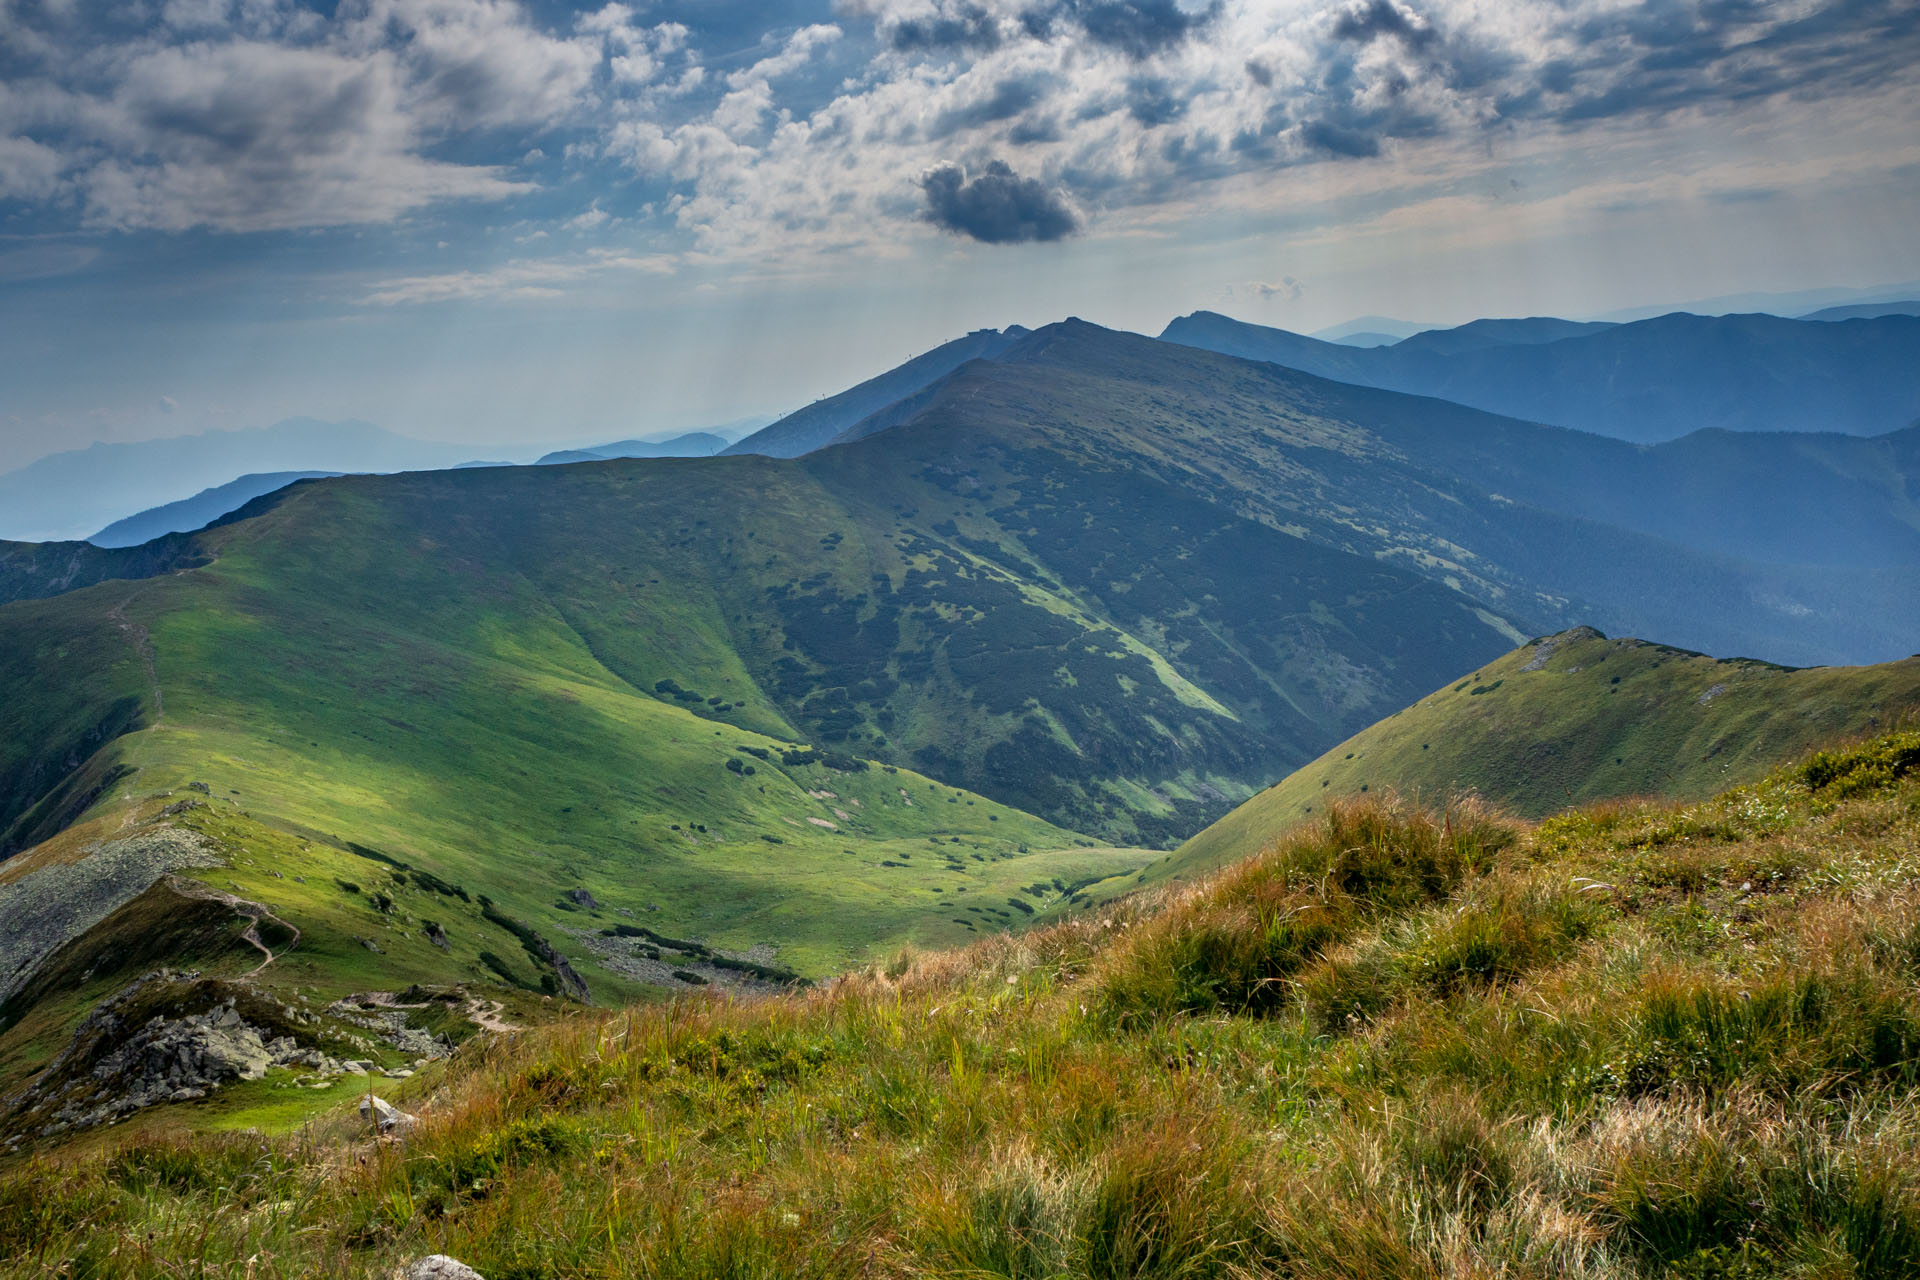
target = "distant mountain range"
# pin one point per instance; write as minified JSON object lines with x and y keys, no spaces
{"x":1647,"y":381}
{"x":692,"y":444}
{"x":200,"y":478}
{"x":70,"y":495}
{"x":1866,"y":311}
{"x":200,"y":510}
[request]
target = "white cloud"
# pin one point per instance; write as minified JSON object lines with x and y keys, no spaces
{"x":519,"y":280}
{"x":1285,"y":289}
{"x":252,"y":115}
{"x":28,"y":170}
{"x":249,"y":115}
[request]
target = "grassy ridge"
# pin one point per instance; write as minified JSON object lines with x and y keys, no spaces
{"x":1571,"y":719}
{"x":798,"y":712}
{"x":1635,"y":1040}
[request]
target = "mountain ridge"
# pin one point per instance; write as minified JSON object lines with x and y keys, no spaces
{"x":1646,"y":381}
{"x":1573,"y":719}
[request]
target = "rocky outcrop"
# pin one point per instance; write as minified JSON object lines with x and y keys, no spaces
{"x":50,"y":906}
{"x":380,"y":1013}
{"x":175,"y":1037}
{"x":123,"y":1060}
{"x":570,"y":981}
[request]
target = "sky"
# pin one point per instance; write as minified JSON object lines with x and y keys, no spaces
{"x":532,"y":223}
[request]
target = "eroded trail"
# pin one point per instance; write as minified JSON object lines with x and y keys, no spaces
{"x":255,"y":912}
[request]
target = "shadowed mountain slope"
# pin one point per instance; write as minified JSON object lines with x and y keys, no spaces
{"x":471,"y":725}
{"x":1477,"y":335}
{"x":1647,"y":381}
{"x":819,"y":423}
{"x":1796,"y":548}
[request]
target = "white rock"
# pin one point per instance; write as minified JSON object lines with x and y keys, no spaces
{"x":438,"y":1266}
{"x":388,"y":1117}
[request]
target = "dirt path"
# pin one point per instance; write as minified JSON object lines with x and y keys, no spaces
{"x":255,"y":912}
{"x":143,"y":645}
{"x":485,"y":1014}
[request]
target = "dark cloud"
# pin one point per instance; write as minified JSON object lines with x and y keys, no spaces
{"x":1035,"y":129}
{"x":1153,"y":102}
{"x":1007,"y":99}
{"x":997,"y":206}
{"x":1338,"y":139}
{"x":1684,"y":53}
{"x":1138,"y":28}
{"x":967,"y":26}
{"x":1365,"y":20}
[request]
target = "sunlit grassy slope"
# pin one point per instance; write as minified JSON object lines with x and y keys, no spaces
{"x":1637,"y":1039}
{"x":1574,"y":718}
{"x":709,"y":694}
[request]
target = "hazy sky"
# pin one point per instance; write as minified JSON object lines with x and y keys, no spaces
{"x":492,"y":221}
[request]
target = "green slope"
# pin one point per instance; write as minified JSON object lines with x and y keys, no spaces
{"x":1570,"y":719}
{"x":799,"y":712}
{"x":1645,"y":1042}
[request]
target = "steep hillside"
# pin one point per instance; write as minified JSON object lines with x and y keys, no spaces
{"x":200,"y":510}
{"x":1574,"y":718}
{"x":1557,"y":526}
{"x":35,"y":570}
{"x":1641,"y":1041}
{"x":1648,"y":381}
{"x":865,"y":599}
{"x":810,"y":428}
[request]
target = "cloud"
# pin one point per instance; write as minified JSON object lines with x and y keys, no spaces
{"x":515,"y":281}
{"x":1004,"y":99}
{"x":997,"y":206}
{"x":1138,"y":28}
{"x":260,"y":115}
{"x":250,"y":136}
{"x":480,"y":64}
{"x":1365,"y":20}
{"x":756,"y":132}
{"x":964,"y":26}
{"x":1339,"y":140}
{"x":28,"y":169}
{"x":1285,"y":289}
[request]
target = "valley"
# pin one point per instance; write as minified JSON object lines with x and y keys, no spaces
{"x":373,"y":765}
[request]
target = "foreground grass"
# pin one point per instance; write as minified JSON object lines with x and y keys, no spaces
{"x":1633,"y":1040}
